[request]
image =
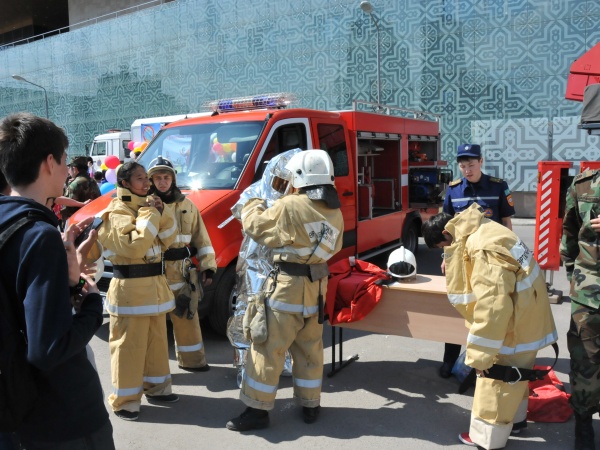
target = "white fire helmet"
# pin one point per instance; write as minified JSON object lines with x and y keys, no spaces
{"x":310,"y":168}
{"x":402,"y":264}
{"x":161,"y":164}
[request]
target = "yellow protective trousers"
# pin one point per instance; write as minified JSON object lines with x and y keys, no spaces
{"x":497,"y":405}
{"x":139,"y":360}
{"x":303,"y":336}
{"x":188,"y":341}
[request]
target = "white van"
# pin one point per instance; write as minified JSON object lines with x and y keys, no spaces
{"x":114,"y":142}
{"x":144,"y":130}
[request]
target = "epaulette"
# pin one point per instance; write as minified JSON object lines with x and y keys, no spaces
{"x":585,"y":175}
{"x":455,"y":182}
{"x":496,"y":180}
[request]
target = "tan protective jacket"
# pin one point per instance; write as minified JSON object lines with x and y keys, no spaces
{"x":301,"y":231}
{"x":494,"y":282}
{"x":133,"y":233}
{"x":191,"y":230}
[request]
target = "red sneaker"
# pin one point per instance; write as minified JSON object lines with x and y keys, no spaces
{"x":465,"y":439}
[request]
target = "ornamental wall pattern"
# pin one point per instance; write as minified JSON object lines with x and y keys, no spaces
{"x":495,"y":69}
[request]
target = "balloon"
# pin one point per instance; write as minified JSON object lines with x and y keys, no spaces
{"x":112,"y":161}
{"x":103,"y":167}
{"x":228,"y":148}
{"x":144,"y":145}
{"x":218,"y":148}
{"x":106,"y":187}
{"x":130,"y":145}
{"x":111,"y":176}
{"x":137,"y":150}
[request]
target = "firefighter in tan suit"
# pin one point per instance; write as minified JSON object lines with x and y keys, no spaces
{"x":135,"y":232}
{"x":182,"y":274}
{"x":497,"y":286}
{"x":305,"y":230}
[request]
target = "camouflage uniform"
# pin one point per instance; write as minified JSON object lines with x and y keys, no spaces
{"x":580,"y":252}
{"x":82,"y":188}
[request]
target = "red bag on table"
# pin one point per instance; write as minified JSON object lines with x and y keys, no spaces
{"x":353,"y":290}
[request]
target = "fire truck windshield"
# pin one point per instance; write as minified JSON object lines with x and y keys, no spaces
{"x":205,"y":156}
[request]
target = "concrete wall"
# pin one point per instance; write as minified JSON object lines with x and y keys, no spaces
{"x":82,"y":10}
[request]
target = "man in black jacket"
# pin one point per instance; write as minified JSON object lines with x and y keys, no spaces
{"x":70,"y":411}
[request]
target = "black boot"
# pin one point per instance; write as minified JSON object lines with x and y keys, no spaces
{"x":311,"y":415}
{"x":250,"y":419}
{"x":584,"y":432}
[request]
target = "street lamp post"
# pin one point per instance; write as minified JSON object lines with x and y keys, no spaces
{"x":20,"y":78}
{"x":367,"y":7}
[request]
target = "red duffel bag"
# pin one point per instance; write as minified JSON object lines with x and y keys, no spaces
{"x":353,"y":290}
{"x":548,"y":401}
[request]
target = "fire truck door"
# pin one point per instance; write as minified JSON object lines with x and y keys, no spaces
{"x":332,"y":136}
{"x":285,"y":135}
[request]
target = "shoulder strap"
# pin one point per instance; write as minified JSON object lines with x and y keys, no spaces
{"x":6,"y":233}
{"x":10,"y":229}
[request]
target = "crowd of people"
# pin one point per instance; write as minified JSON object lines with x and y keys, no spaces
{"x":162,"y":258}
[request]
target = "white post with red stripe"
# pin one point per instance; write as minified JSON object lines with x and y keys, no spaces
{"x":550,"y":212}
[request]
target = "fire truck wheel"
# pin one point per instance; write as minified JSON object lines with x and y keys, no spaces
{"x":410,"y":238}
{"x":223,"y":301}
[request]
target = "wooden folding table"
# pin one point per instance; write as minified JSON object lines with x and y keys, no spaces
{"x":418,"y":309}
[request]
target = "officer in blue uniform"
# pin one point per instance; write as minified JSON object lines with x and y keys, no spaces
{"x":491,"y":193}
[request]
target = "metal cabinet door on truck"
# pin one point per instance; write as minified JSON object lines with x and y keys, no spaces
{"x":331,"y":135}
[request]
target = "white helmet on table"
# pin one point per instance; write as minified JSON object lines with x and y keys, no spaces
{"x":402,"y":264}
{"x":311,"y":168}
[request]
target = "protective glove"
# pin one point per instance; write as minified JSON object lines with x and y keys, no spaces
{"x":255,"y":321}
{"x":195,"y":293}
{"x":182,"y":305}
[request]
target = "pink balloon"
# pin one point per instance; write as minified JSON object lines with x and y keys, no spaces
{"x":130,"y":145}
{"x":111,"y":176}
{"x":112,"y":162}
{"x":218,"y":148}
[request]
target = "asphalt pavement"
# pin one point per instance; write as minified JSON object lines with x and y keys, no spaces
{"x":392,"y":397}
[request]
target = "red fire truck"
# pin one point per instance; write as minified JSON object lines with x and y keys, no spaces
{"x":388,"y":173}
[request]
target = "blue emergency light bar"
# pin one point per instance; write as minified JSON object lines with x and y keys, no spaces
{"x":272,"y":101}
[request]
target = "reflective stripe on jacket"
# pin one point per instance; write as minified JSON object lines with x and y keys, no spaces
{"x":133,"y":233}
{"x":496,"y":284}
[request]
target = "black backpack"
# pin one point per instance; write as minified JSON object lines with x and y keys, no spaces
{"x":18,"y":385}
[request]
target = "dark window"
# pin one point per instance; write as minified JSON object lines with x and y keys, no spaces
{"x":286,"y":137}
{"x":332,"y":139}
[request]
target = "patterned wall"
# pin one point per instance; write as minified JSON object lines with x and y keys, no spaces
{"x":495,"y":69}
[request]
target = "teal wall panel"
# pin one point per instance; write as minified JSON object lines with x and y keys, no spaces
{"x":495,"y":69}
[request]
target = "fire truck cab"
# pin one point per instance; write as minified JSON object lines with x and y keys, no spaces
{"x":388,"y":173}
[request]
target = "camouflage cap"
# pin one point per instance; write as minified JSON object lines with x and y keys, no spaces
{"x":81,"y":162}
